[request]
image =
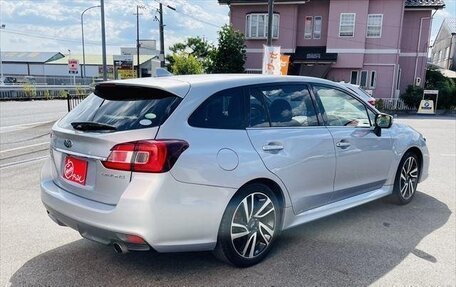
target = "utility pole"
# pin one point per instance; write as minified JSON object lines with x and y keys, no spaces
{"x":103,"y":41}
{"x":270,"y":18}
{"x":162,"y":36}
{"x":138,"y":74}
{"x":162,"y":40}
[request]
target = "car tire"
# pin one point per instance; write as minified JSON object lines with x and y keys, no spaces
{"x":406,"y":180}
{"x":245,"y":237}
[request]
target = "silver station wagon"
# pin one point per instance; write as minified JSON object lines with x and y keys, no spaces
{"x":221,"y":162}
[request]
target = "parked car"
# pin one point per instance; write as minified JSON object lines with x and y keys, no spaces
{"x":8,"y":80}
{"x":363,"y":94}
{"x":221,"y":162}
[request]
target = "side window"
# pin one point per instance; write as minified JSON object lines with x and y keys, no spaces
{"x":223,"y":110}
{"x":371,"y":115}
{"x":287,"y":105}
{"x":342,"y":109}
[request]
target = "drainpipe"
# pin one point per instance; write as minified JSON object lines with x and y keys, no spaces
{"x":419,"y":41}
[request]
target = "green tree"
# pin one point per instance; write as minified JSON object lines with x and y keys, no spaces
{"x":230,"y":54}
{"x":446,"y":87}
{"x":185,"y":64}
{"x":412,"y":96}
{"x":199,"y":48}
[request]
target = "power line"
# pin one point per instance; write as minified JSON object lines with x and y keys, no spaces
{"x":40,"y":36}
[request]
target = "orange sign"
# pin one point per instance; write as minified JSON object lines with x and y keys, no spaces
{"x":284,"y":63}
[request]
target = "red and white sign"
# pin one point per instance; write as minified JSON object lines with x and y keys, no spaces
{"x":73,"y":66}
{"x":271,"y":60}
{"x":75,"y":170}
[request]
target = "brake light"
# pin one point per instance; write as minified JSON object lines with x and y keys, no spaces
{"x":145,"y":156}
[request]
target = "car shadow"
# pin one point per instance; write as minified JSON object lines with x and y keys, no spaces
{"x":354,"y":247}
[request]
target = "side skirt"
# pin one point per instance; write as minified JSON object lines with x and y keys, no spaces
{"x":292,"y":220}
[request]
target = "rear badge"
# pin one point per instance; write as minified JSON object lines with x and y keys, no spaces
{"x":67,"y":143}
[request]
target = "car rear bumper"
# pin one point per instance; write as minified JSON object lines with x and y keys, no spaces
{"x":169,"y":215}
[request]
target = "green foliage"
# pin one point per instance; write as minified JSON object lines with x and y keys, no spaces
{"x":379,"y":104}
{"x":412,"y":96}
{"x":185,"y":64}
{"x":230,"y":55}
{"x":446,"y":87}
{"x":197,"y":47}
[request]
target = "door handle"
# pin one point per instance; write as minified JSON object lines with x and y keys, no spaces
{"x":272,"y":147}
{"x":343,"y":144}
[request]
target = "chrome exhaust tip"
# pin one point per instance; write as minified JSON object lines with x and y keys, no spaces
{"x":120,"y":247}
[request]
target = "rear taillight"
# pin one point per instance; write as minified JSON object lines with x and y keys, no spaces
{"x":146,"y":155}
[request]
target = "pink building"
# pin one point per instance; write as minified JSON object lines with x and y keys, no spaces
{"x":381,"y":45}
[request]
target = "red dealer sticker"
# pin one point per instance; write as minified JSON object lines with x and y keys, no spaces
{"x":75,"y":170}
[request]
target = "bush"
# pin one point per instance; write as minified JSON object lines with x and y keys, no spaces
{"x":184,"y":64}
{"x":446,"y":87}
{"x":412,"y":96}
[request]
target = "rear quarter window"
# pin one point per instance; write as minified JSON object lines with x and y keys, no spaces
{"x":125,"y":108}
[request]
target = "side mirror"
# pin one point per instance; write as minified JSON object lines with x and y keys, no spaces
{"x":382,"y":121}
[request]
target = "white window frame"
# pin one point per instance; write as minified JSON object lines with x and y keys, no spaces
{"x":248,"y":25}
{"x":315,"y":31}
{"x":371,"y":25}
{"x":361,"y":78}
{"x":372,"y":79}
{"x":308,"y":30}
{"x":351,"y":25}
{"x":357,"y":77}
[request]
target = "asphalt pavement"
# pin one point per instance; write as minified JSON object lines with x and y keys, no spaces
{"x":378,"y":244}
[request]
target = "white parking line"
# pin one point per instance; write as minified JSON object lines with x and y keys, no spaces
{"x":448,"y":154}
{"x":22,"y":161}
{"x":22,"y":126}
{"x":23,"y":147}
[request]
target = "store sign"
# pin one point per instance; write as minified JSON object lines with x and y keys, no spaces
{"x":426,"y":107}
{"x":73,"y":66}
{"x":123,"y":67}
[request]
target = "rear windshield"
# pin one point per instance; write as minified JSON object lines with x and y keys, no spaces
{"x":123,"y":108}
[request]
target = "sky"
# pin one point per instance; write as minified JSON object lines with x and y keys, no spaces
{"x":55,"y":25}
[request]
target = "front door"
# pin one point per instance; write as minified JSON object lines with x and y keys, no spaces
{"x":285,"y":132}
{"x":363,"y":158}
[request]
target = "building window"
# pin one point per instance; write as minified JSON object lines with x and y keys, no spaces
{"x":317,"y":27}
{"x":354,"y":78}
{"x":257,"y":26}
{"x":363,"y":80}
{"x":308,"y":26}
{"x":374,"y":25}
{"x":347,"y":25}
{"x":447,"y":53}
{"x":373,"y":79}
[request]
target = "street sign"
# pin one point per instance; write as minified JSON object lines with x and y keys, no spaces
{"x":427,"y":105}
{"x":73,"y":66}
{"x":123,"y":67}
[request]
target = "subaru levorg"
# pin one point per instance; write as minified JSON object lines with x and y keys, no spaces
{"x":221,"y":162}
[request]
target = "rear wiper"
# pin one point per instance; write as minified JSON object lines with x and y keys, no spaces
{"x":92,"y":126}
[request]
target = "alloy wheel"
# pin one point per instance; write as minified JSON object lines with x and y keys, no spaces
{"x":409,"y":178}
{"x":253,"y":225}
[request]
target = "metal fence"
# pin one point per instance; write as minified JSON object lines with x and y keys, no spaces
{"x":389,"y":104}
{"x":42,"y":92}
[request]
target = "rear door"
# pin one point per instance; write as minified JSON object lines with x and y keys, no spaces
{"x":85,"y":137}
{"x":285,"y":131}
{"x":363,"y":158}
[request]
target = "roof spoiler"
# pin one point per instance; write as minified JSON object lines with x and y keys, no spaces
{"x":163,"y":72}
